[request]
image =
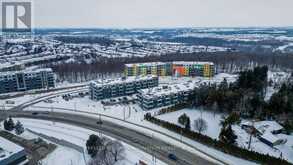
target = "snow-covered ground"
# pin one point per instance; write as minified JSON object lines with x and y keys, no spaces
{"x":276,"y":79}
{"x":29,"y":96}
{"x":78,"y":136}
{"x":134,"y":114}
{"x":85,"y":105}
{"x":212,"y":119}
{"x":214,"y":128}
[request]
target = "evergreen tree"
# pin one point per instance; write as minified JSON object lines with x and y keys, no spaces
{"x":9,"y":124}
{"x":183,"y":119}
{"x":227,"y":135}
{"x":6,"y":127}
{"x":19,"y":129}
{"x":187,"y":124}
{"x":93,"y":145}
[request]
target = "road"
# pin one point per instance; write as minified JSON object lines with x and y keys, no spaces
{"x":146,"y":143}
{"x":48,"y":96}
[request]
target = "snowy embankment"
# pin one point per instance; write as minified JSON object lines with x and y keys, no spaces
{"x":78,"y":136}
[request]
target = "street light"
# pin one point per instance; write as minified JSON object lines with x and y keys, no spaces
{"x":99,"y":123}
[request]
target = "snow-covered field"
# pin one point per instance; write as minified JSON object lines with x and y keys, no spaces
{"x":78,"y":136}
{"x":212,"y":119}
{"x":214,"y":128}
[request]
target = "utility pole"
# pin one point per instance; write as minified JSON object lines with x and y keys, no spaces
{"x":124,"y":113}
{"x":52,"y":113}
{"x":250,"y":137}
{"x":181,"y":135}
{"x":75,"y":106}
{"x":153,"y":154}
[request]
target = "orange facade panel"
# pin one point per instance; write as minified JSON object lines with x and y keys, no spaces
{"x":181,"y":70}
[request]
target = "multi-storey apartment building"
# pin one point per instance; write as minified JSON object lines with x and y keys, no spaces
{"x":23,"y":80}
{"x":204,"y":69}
{"x":178,"y":68}
{"x":154,"y":68}
{"x":121,"y":87}
{"x":164,"y":95}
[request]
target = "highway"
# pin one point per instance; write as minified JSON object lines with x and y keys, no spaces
{"x":146,"y":143}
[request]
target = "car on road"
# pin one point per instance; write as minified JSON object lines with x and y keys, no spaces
{"x":35,"y":113}
{"x":99,"y":122}
{"x":172,"y":157}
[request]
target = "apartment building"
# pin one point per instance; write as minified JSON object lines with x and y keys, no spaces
{"x":153,"y":68}
{"x":23,"y":80}
{"x":164,"y":95}
{"x":11,"y":153}
{"x":121,"y":87}
{"x":176,"y":68}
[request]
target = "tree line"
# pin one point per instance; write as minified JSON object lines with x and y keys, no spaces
{"x":230,"y":62}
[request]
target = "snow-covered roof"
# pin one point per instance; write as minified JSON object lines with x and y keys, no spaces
{"x":265,"y":126}
{"x":29,"y":71}
{"x":192,"y":63}
{"x":166,"y":90}
{"x":116,"y":81}
{"x":8,"y":148}
{"x":174,"y":62}
{"x":145,"y":64}
{"x":270,"y":137}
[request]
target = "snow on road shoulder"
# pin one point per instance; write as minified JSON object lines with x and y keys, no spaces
{"x":78,"y":136}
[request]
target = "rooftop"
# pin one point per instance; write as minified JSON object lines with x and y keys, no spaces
{"x":145,"y":64}
{"x":192,"y":63}
{"x":167,"y":90}
{"x":265,"y":126}
{"x":7,"y":148}
{"x":25,"y":71}
{"x":130,"y":79}
{"x":174,"y":62}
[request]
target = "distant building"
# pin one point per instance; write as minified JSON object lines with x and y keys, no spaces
{"x":176,"y":68}
{"x":121,"y":87}
{"x":164,"y":95}
{"x":11,"y":153}
{"x":15,"y":81}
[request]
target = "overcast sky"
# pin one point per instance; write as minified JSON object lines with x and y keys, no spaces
{"x":162,"y":13}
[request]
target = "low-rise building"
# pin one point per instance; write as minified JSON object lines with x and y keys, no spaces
{"x":11,"y":153}
{"x":265,"y":131}
{"x":165,"y":95}
{"x":121,"y":87}
{"x":23,"y":80}
{"x":176,"y":68}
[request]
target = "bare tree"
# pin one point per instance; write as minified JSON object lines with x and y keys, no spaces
{"x":109,"y":154}
{"x":200,"y":125}
{"x":116,"y":149}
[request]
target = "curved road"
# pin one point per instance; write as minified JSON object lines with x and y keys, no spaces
{"x":148,"y":144}
{"x":48,"y":96}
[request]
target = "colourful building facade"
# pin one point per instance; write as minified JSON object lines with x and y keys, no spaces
{"x":176,"y":68}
